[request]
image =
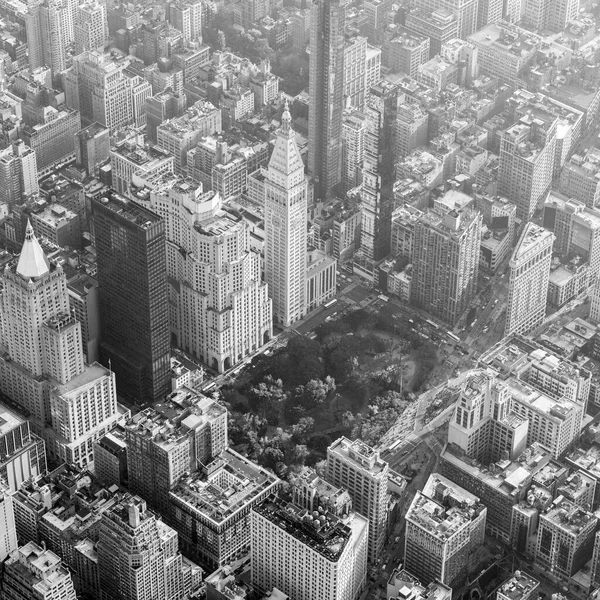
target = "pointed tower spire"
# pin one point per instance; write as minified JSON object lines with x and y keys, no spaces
{"x":33,"y":263}
{"x":286,"y":119}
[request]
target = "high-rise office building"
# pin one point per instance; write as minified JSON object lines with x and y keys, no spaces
{"x":53,"y":138}
{"x":49,"y":26}
{"x":206,"y":280}
{"x":132,"y":275}
{"x":513,"y":10}
{"x":353,"y":149}
{"x":138,"y":557}
{"x":90,"y":26}
{"x":577,"y":230}
{"x":162,"y":107}
{"x":97,"y":86}
{"x":446,"y":262}
{"x":161,"y":448}
{"x":22,"y":453}
{"x":445,"y":524}
{"x":580,"y":178}
{"x":45,"y":372}
{"x":378,"y":175}
{"x":355,"y":64}
{"x":565,"y":538}
{"x":527,"y":154}
{"x":403,"y":51}
{"x":34,"y":573}
{"x":18,"y":173}
{"x":483,"y":425}
{"x":465,"y":12}
{"x":211,"y":508}
{"x":440,"y":26}
{"x":286,"y":200}
{"x":528,"y":280}
{"x":595,"y":575}
{"x":326,"y":91}
{"x":33,"y":293}
{"x":179,"y":135}
{"x":554,"y":15}
{"x":8,"y":529}
{"x":308,"y":555}
{"x":186,"y":16}
{"x":92,"y":148}
{"x":489,"y":11}
{"x":357,"y":467}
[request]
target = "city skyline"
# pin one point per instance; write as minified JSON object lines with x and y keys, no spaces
{"x":299,"y":300}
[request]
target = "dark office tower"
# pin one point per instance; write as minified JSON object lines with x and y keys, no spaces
{"x":326,"y":89}
{"x":379,"y":172}
{"x":131,"y":258}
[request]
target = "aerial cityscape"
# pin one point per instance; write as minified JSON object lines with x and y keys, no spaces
{"x":299,"y":300}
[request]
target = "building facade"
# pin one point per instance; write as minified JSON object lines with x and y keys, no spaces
{"x":286,"y":201}
{"x":528,"y":280}
{"x":326,"y":91}
{"x":132,"y":276}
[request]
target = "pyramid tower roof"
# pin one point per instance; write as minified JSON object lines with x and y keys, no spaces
{"x":286,"y":157}
{"x":33,"y":263}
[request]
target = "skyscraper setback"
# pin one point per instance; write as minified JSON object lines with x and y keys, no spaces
{"x":326,"y":91}
{"x":132,"y":274}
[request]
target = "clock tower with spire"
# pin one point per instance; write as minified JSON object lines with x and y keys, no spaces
{"x":286,"y":202}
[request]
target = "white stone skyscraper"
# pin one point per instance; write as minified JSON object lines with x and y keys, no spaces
{"x":528,"y":282}
{"x":286,"y":192}
{"x":42,"y":367}
{"x":220,"y":310}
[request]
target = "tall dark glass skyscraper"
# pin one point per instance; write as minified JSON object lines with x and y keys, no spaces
{"x":326,"y":91}
{"x":132,"y":277}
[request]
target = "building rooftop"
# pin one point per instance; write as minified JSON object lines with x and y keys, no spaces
{"x":507,"y":477}
{"x":519,"y":587}
{"x":321,"y":531}
{"x":587,"y":459}
{"x":190,"y":120}
{"x":9,"y":420}
{"x":443,"y":508}
{"x":359,"y":453}
{"x":225,"y":487}
{"x":568,"y":516}
{"x":131,"y":211}
{"x":170,"y":422}
{"x":506,"y":38}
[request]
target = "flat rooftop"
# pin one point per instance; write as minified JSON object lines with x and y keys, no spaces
{"x":587,"y":459}
{"x":218,"y":224}
{"x":231,"y":484}
{"x":9,"y":420}
{"x":568,"y":516}
{"x":321,"y":531}
{"x":443,"y":508}
{"x":169,"y":423}
{"x":519,"y":586}
{"x":137,"y":214}
{"x":359,"y":453}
